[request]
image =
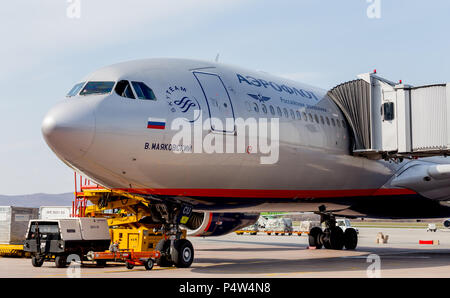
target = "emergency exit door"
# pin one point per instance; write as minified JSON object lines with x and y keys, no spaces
{"x":218,"y":101}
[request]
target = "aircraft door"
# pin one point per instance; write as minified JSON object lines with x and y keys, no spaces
{"x":218,"y":101}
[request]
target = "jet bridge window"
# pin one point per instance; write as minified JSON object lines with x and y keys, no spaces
{"x":92,"y":88}
{"x":387,"y":110}
{"x":143,"y":91}
{"x":123,"y":88}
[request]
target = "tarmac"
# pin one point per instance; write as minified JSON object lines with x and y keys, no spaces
{"x":262,"y":256}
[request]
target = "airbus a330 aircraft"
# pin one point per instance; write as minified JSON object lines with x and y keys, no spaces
{"x":115,"y":126}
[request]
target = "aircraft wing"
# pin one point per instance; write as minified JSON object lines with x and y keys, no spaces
{"x":428,"y":179}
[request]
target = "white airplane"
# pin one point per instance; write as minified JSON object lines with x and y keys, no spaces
{"x":116,"y":126}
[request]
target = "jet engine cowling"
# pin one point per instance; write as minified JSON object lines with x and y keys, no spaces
{"x":217,"y":224}
{"x":447,"y":223}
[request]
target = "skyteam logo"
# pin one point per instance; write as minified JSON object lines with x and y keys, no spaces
{"x":185,"y":104}
{"x":259,"y":97}
{"x":181,"y":102}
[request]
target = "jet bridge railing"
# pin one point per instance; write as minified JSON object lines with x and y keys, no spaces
{"x":390,"y":120}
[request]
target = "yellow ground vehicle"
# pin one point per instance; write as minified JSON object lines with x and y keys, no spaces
{"x":11,"y":250}
{"x":127,"y":214}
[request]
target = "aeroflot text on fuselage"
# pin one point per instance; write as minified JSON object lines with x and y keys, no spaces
{"x":263,"y":137}
{"x":280,"y":88}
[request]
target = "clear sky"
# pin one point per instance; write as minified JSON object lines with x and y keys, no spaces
{"x":43,"y":52}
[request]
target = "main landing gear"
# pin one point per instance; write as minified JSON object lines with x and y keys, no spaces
{"x":174,"y":250}
{"x":332,"y":237}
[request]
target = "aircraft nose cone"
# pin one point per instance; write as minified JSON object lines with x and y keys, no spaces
{"x":69,"y":129}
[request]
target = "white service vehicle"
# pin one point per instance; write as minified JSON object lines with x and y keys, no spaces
{"x":345,"y":224}
{"x":431,"y":227}
{"x":61,"y":238}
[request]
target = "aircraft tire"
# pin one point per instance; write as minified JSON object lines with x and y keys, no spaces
{"x":336,"y":238}
{"x":163,"y":246}
{"x":314,"y":237}
{"x":350,"y":239}
{"x":183,"y":253}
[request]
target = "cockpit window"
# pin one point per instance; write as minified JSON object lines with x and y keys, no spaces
{"x":74,"y":91}
{"x":143,"y":91}
{"x":97,"y":88}
{"x":123,"y":88}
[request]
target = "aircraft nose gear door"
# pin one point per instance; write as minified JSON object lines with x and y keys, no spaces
{"x":218,"y":100}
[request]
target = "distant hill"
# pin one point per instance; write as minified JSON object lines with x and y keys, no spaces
{"x":37,"y":200}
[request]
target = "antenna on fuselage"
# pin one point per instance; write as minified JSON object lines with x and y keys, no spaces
{"x":217,"y":58}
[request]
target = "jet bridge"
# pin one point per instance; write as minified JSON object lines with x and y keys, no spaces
{"x":395,"y":121}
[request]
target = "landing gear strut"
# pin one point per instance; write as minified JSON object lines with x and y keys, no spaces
{"x":332,"y":236}
{"x":174,"y":250}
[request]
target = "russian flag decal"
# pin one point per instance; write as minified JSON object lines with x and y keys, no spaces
{"x":156,"y":123}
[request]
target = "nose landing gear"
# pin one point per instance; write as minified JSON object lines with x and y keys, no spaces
{"x":332,"y":237}
{"x":175,"y":250}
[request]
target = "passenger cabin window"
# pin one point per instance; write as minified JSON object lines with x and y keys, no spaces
{"x":255,"y":107}
{"x":249,"y":108}
{"x":74,"y":91}
{"x":96,"y":88}
{"x":143,"y":91}
{"x":264,"y":108}
{"x":316,"y":118}
{"x":279,"y":112}
{"x":272,"y":110}
{"x":123,"y":88}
